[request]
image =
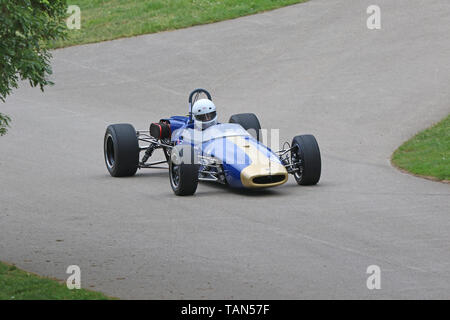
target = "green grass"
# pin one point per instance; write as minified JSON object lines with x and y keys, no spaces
{"x":427,"y":153}
{"x":16,"y":284}
{"x":111,"y":19}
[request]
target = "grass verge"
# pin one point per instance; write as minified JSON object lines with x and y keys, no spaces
{"x":16,"y":284}
{"x":106,"y":20}
{"x":427,"y":154}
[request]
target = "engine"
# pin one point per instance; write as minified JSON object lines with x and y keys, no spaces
{"x":160,"y":130}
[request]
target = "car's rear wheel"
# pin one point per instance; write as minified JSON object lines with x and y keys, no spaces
{"x":249,"y":122}
{"x":183,"y":170}
{"x":306,"y":157}
{"x":121,"y":150}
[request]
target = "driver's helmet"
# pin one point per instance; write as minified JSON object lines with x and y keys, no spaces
{"x":204,"y":113}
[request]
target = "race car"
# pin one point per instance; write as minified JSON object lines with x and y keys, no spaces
{"x":198,"y":148}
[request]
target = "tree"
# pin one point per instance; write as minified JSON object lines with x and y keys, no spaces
{"x":26,"y":27}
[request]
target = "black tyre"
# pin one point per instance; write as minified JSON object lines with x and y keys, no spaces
{"x":121,"y":149}
{"x":307,"y":155}
{"x":183,"y":170}
{"x":249,"y":122}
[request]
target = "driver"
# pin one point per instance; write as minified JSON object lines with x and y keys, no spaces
{"x":204,"y":113}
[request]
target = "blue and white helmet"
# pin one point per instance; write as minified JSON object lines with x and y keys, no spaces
{"x":204,"y":113}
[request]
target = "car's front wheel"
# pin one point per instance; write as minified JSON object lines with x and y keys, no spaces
{"x":183,"y":170}
{"x":305,"y":156}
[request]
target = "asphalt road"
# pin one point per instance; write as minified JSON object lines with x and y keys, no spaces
{"x":309,"y":68}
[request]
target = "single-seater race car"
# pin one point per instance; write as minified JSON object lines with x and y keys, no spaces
{"x":225,"y":153}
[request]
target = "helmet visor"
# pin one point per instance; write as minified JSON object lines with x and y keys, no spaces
{"x":206,"y":116}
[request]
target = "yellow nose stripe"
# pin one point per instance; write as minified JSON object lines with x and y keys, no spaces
{"x":255,"y":155}
{"x":261,"y":165}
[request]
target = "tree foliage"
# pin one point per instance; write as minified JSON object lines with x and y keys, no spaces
{"x":26,"y":26}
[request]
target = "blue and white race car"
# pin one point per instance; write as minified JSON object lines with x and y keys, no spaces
{"x":198,"y":148}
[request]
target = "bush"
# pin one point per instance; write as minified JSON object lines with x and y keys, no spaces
{"x":25,"y":28}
